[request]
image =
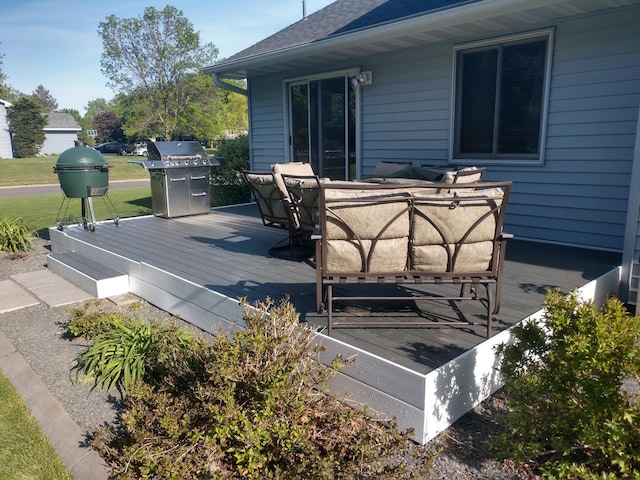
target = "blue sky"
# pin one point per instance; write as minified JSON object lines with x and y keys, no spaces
{"x":55,"y":43}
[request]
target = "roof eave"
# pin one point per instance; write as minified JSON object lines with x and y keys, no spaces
{"x":440,"y":19}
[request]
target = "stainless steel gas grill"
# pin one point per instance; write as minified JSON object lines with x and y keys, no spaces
{"x":180,"y":173}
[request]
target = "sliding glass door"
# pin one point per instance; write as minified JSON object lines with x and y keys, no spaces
{"x":323,"y":125}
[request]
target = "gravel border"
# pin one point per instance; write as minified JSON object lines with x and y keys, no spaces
{"x":38,"y":332}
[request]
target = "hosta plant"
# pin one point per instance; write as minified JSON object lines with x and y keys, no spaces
{"x":15,"y":235}
{"x":128,"y":351}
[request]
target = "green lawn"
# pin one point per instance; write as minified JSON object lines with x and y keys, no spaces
{"x":40,"y":213}
{"x":39,"y":170}
{"x":25,"y":452}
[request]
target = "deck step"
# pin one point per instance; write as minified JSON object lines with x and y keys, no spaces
{"x":94,"y":277}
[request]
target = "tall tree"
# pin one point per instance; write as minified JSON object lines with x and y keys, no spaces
{"x":94,"y":107}
{"x":3,"y":76}
{"x":152,"y":55}
{"x":7,"y":92}
{"x":28,"y":119}
{"x":108,"y":126}
{"x":45,"y":99}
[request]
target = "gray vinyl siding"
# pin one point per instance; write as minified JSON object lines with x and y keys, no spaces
{"x":5,"y":135}
{"x":267,"y":123}
{"x":58,"y":142}
{"x":405,"y":113}
{"x":579,"y":195}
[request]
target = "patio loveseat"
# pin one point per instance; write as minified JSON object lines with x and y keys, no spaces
{"x":373,"y":236}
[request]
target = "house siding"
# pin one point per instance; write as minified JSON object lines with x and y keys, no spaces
{"x":579,"y":195}
{"x":58,"y":142}
{"x":5,"y":135}
{"x":267,"y":123}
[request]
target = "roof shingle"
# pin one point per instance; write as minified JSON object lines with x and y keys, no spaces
{"x":342,"y":17}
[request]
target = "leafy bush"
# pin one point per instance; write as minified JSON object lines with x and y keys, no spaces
{"x":236,"y":154}
{"x":228,"y":185}
{"x":88,"y":321}
{"x":124,"y":353}
{"x":570,"y":412}
{"x":251,"y":404}
{"x":15,"y":236}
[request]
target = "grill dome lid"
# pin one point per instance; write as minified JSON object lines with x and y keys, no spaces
{"x":80,"y":157}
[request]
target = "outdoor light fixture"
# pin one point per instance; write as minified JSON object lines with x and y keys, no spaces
{"x":364,"y":78}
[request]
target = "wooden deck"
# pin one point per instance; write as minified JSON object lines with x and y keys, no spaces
{"x":198,"y":266}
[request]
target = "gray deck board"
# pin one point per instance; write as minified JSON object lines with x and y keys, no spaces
{"x":227,"y":251}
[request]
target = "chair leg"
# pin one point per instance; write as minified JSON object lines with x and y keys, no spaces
{"x":329,"y":309}
{"x":490,"y":308}
{"x":293,"y":249}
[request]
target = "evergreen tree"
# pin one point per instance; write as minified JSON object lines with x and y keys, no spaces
{"x":44,"y":98}
{"x":27,"y":120}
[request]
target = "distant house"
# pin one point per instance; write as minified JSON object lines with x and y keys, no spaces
{"x":544,"y":93}
{"x":6,"y":150}
{"x":60,"y":133}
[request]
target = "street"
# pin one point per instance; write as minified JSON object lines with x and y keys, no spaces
{"x":54,"y":188}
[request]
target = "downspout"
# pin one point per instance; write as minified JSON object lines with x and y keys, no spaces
{"x":227,"y":86}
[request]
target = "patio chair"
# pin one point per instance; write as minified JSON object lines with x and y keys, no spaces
{"x":268,"y":197}
{"x":304,"y":192}
{"x":278,"y":209}
{"x":389,"y":168}
{"x":462,"y":175}
{"x":467,"y":175}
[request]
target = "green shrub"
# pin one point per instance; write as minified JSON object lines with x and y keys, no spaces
{"x":15,"y":236}
{"x":236,"y":154}
{"x":127,"y":351}
{"x":88,"y":321}
{"x":227,"y":184}
{"x":252,"y":404}
{"x":570,"y":411}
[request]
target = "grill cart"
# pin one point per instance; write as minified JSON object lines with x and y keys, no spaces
{"x":180,"y":173}
{"x":83,"y":173}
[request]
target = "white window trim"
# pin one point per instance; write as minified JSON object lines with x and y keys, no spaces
{"x":549,"y":33}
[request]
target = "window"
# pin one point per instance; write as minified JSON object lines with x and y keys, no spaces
{"x":500,"y":99}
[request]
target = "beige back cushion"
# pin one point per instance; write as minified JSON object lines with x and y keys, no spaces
{"x":364,"y":233}
{"x":268,"y":198}
{"x":307,"y":189}
{"x":446,"y":237}
{"x":451,"y":176}
{"x":292,"y":168}
{"x":389,"y":168}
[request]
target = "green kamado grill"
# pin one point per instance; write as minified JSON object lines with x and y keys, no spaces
{"x":83,"y":173}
